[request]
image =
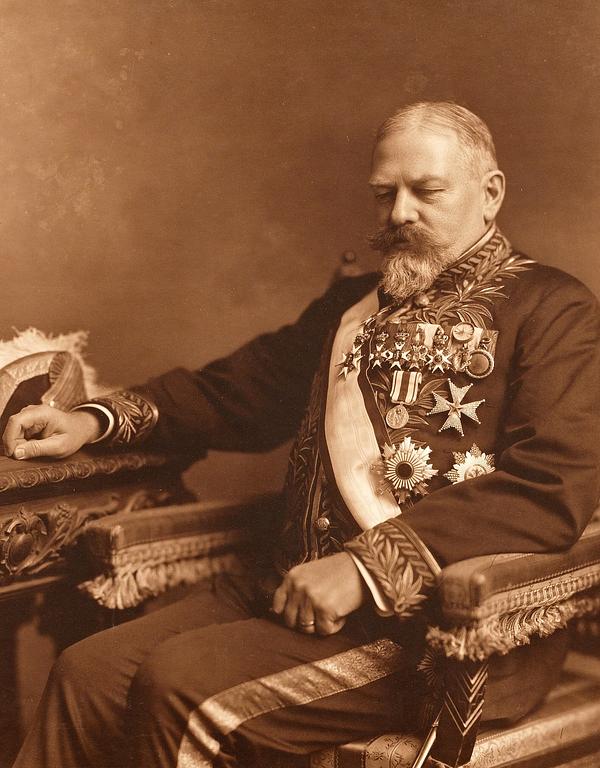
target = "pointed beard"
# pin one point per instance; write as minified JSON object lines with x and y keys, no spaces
{"x":412,"y":260}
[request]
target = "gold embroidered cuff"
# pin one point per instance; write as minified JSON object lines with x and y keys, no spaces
{"x":399,"y":562}
{"x":135,"y":416}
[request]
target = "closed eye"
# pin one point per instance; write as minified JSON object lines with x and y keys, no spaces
{"x":384,"y":194}
{"x":427,"y":193}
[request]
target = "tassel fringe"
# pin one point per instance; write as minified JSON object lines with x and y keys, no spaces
{"x":501,"y":634}
{"x":129,"y":586}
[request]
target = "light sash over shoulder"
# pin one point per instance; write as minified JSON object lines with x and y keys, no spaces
{"x":349,"y":434}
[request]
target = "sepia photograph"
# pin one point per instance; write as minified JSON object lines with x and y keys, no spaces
{"x":300,"y":384}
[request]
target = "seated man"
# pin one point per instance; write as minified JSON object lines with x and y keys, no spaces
{"x":445,"y":408}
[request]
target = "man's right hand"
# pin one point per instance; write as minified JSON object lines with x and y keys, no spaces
{"x":40,"y":430}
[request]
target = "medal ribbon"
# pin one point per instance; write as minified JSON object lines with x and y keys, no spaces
{"x":405,"y":386}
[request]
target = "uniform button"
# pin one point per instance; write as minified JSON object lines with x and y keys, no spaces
{"x":322,"y":524}
{"x":421,"y":300}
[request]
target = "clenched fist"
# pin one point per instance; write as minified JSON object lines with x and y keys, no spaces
{"x":40,"y":430}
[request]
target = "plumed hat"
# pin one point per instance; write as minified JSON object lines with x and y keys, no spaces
{"x":36,"y":368}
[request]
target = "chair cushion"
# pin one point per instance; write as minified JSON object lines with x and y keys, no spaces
{"x":562,"y":732}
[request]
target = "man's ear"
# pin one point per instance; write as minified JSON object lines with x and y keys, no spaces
{"x":493,"y":186}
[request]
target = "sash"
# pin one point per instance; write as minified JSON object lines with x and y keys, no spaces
{"x":350,"y":439}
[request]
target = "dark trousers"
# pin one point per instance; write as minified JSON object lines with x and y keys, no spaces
{"x":204,"y":682}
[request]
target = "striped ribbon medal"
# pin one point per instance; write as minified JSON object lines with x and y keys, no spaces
{"x":404,"y":391}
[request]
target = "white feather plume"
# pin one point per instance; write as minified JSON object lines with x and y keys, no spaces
{"x":32,"y":340}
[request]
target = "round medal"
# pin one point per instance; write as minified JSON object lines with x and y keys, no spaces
{"x":481,"y":364}
{"x":461,"y":359}
{"x":463,"y":332}
{"x":396,"y":417}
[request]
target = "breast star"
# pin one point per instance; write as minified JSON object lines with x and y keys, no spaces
{"x":455,"y":409}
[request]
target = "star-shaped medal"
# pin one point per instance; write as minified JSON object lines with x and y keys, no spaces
{"x":455,"y":409}
{"x":415,"y":356}
{"x":379,"y":356}
{"x":406,"y":469}
{"x":438,"y":360}
{"x":349,"y":362}
{"x":471,"y":464}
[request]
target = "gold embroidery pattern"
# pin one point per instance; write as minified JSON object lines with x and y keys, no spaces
{"x":465,"y":292}
{"x":135,"y":416}
{"x":400,"y":563}
{"x":303,"y":500}
{"x":472,"y":291}
{"x":226,"y":711}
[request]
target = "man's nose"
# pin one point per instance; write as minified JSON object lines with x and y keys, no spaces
{"x":404,"y":210}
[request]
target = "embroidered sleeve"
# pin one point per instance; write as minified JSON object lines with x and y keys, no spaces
{"x":134,"y":416}
{"x":399,"y":562}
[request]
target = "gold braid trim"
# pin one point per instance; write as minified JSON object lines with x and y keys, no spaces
{"x":135,"y":416}
{"x":501,"y":634}
{"x":403,"y":567}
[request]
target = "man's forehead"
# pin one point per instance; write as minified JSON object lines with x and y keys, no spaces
{"x":417,"y":153}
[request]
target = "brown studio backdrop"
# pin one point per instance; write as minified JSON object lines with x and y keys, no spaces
{"x":180,"y":175}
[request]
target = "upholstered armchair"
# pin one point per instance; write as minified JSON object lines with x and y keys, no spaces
{"x":486,"y":606}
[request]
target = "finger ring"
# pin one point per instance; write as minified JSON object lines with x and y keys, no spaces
{"x":307,"y":623}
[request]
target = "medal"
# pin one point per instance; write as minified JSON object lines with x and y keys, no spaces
{"x":360,"y":337}
{"x":400,"y":338}
{"x":481,"y":361}
{"x":397,"y":417}
{"x":471,"y":464}
{"x":405,"y":386}
{"x":404,"y":391}
{"x":416,"y":354}
{"x":463,"y":332}
{"x":438,"y":359}
{"x":406,"y":468}
{"x":380,"y":355}
{"x":348,"y":363}
{"x":480,"y":365}
{"x":455,"y":409}
{"x":461,"y":358}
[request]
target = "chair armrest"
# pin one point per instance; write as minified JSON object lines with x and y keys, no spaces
{"x":474,"y":589}
{"x":494,"y":603}
{"x":142,"y":554}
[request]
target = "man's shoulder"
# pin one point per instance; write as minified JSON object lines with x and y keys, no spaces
{"x":346,"y":291}
{"x":541,"y":281}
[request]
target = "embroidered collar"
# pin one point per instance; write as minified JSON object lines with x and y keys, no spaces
{"x":466,"y":290}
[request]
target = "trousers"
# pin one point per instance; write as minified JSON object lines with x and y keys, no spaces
{"x":206,"y":682}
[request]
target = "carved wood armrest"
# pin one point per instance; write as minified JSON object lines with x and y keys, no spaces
{"x":495,"y":603}
{"x":142,"y":554}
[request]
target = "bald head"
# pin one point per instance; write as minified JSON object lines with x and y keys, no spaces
{"x":473,"y":134}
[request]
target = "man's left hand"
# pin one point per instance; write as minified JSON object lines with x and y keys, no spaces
{"x":317,"y":596}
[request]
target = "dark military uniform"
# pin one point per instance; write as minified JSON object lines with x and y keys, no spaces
{"x":460,"y":423}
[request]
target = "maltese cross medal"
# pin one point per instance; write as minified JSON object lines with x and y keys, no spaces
{"x":456,"y":409}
